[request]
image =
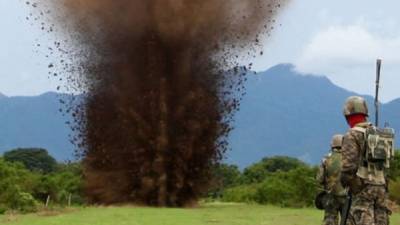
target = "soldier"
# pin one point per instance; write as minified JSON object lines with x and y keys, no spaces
{"x":329,"y":177}
{"x":366,"y":151}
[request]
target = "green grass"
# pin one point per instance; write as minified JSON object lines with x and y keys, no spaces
{"x":218,"y":214}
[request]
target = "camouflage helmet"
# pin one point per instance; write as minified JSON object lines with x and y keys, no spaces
{"x":355,"y":105}
{"x":337,"y":140}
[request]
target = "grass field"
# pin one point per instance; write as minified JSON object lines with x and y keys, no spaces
{"x":218,"y":214}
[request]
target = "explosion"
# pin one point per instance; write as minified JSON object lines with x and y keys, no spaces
{"x":160,"y":91}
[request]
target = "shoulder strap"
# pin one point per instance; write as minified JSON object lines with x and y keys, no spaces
{"x":363,"y":150}
{"x":360,"y":129}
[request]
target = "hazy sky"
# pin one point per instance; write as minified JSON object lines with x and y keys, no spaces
{"x":340,"y":39}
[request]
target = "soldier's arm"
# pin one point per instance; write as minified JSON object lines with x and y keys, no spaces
{"x":350,"y":157}
{"x":321,"y":174}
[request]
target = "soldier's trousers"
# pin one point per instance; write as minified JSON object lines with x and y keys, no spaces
{"x":331,"y":217}
{"x":333,"y":209}
{"x":370,"y":206}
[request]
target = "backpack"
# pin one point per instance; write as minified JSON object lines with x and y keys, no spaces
{"x":376,"y":154}
{"x":331,"y":170}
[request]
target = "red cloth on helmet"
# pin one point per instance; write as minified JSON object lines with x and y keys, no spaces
{"x":355,"y":119}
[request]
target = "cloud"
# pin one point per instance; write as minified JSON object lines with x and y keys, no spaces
{"x":347,"y":55}
{"x":347,"y":46}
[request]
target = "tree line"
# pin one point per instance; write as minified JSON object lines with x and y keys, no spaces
{"x":31,"y":179}
{"x":279,"y":180}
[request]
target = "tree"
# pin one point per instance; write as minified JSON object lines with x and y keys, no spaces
{"x":68,"y":180}
{"x":34,"y":159}
{"x":62,"y":184}
{"x":282,"y":163}
{"x":257,"y":172}
{"x":16,"y":184}
{"x":227,"y":174}
{"x":394,"y":171}
{"x":293,"y":188}
{"x":394,"y":176}
{"x":224,"y":176}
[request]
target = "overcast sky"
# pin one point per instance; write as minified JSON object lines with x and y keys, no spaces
{"x":340,"y":39}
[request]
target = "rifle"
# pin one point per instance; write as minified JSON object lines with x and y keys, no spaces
{"x":378,"y":76}
{"x":344,"y":215}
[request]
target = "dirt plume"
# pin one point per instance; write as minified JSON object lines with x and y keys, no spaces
{"x":160,"y":91}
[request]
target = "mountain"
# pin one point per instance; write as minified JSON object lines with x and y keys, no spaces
{"x":283,"y":113}
{"x":288,"y":113}
{"x":35,"y":122}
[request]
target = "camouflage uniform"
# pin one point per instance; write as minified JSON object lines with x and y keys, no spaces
{"x":331,"y":216}
{"x":329,"y":177}
{"x":370,"y":199}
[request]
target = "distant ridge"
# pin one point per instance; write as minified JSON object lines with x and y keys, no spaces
{"x":289,"y":113}
{"x":35,"y":121}
{"x":283,"y":113}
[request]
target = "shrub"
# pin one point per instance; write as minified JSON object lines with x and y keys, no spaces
{"x":67,"y":180}
{"x":258,"y":172}
{"x":293,"y":188}
{"x":16,"y":183}
{"x":3,"y":209}
{"x":223,"y":176}
{"x":304,"y":184}
{"x":13,"y":198}
{"x":275,"y":190}
{"x":243,"y":193}
{"x":394,"y":191}
{"x":24,"y":203}
{"x":394,"y":171}
{"x":21,"y":189}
